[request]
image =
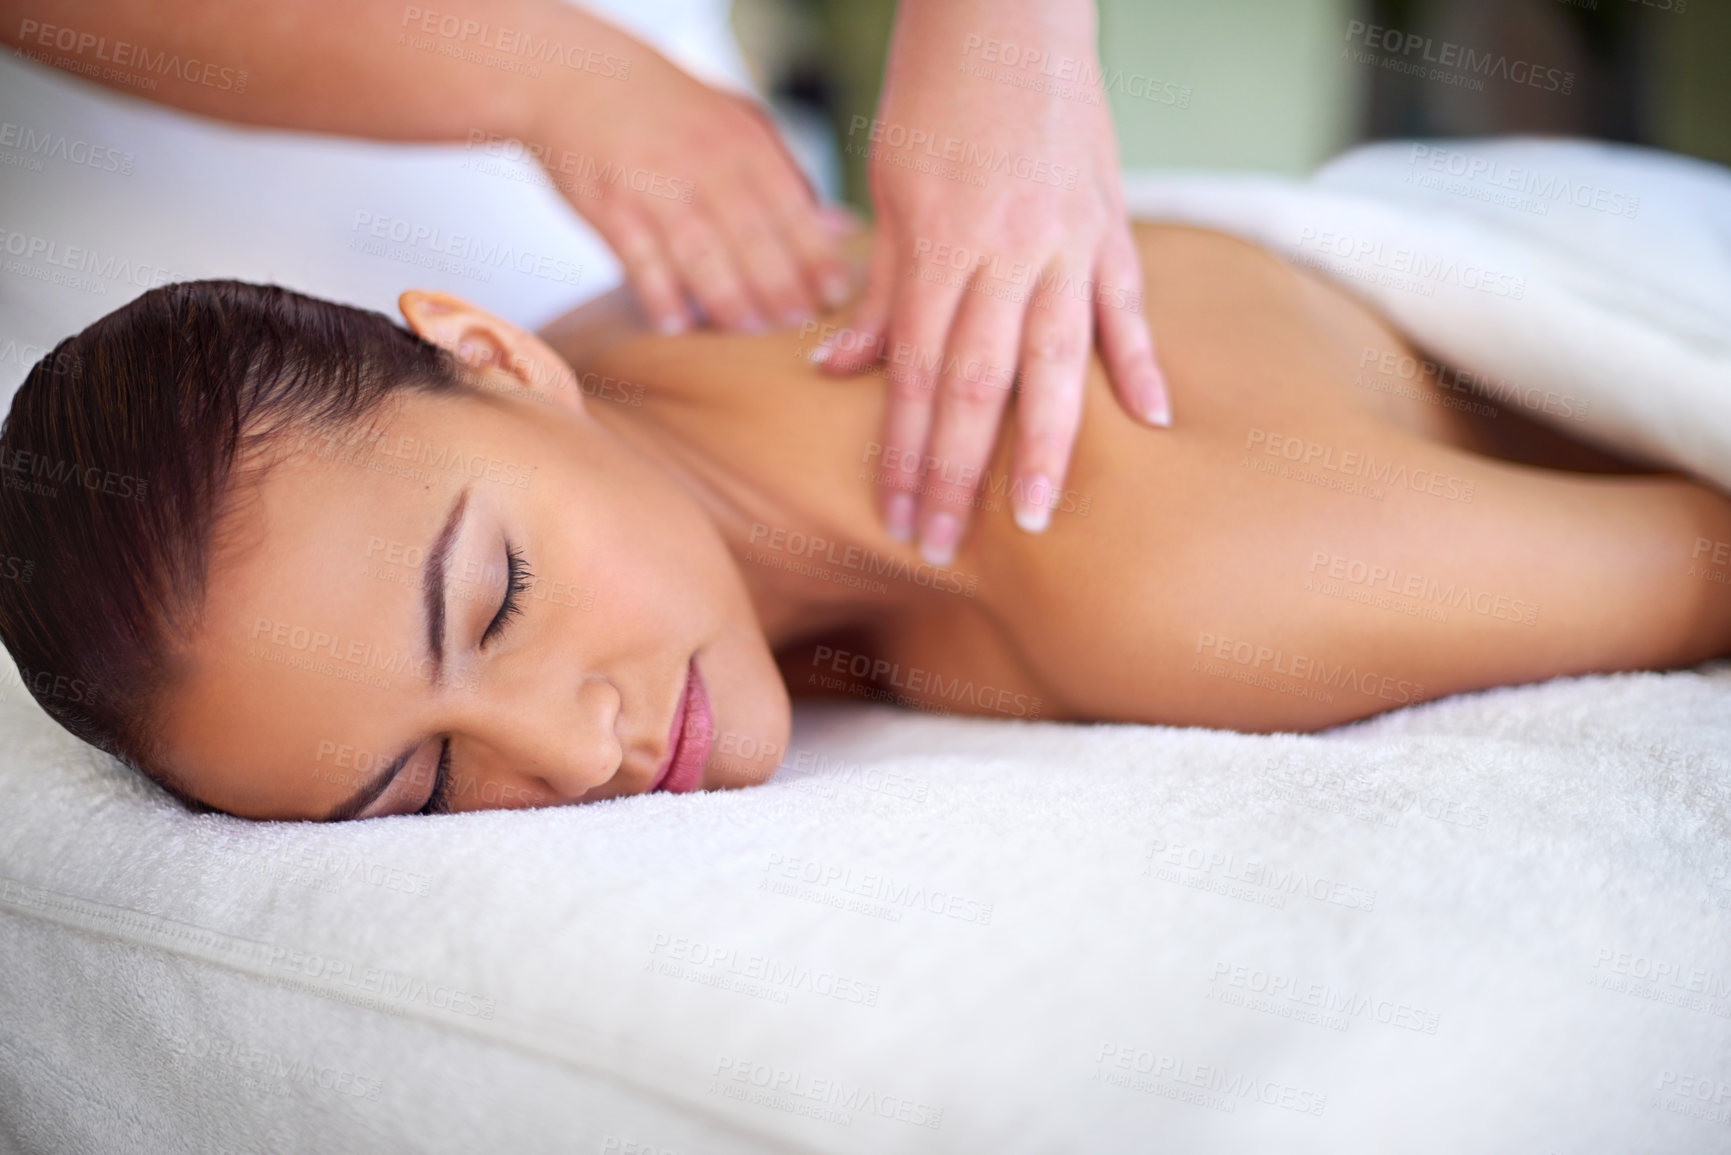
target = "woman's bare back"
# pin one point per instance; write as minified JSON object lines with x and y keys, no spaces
{"x":1320,"y":536}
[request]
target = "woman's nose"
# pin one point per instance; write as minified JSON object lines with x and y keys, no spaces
{"x":584,"y":750}
{"x":550,"y":740}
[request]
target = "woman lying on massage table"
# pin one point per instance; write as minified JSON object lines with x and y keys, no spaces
{"x":348,"y":576}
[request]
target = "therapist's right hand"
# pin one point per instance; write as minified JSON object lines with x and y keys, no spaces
{"x":693,"y":191}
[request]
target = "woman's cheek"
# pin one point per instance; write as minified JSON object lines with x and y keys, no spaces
{"x":753,"y":717}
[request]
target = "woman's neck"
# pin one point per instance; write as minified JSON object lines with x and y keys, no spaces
{"x":780,"y":460}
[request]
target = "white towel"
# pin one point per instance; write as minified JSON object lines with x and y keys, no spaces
{"x":1587,"y":283}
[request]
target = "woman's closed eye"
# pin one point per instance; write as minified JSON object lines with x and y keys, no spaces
{"x":438,"y":801}
{"x":518,"y":576}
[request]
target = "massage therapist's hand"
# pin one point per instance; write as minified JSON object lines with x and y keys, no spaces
{"x":1001,"y":248}
{"x":690,"y":186}
{"x":697,"y":197}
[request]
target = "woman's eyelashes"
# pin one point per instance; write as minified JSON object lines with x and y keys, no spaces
{"x":517,"y":579}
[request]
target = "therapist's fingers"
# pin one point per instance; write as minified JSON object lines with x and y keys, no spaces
{"x":649,"y":272}
{"x":857,"y":346}
{"x":811,"y":237}
{"x":765,"y":265}
{"x":973,"y":388}
{"x":1126,"y":345}
{"x":788,"y":199}
{"x":704,"y":262}
{"x":918,"y":326}
{"x":1056,"y":337}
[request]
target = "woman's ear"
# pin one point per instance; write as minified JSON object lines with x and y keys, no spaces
{"x":502,"y":356}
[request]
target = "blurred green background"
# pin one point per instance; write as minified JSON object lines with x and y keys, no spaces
{"x":1271,"y":89}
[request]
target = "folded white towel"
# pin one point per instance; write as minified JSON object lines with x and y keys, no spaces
{"x":1586,"y":284}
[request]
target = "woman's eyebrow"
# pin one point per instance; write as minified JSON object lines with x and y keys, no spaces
{"x":433,"y":615}
{"x":433,"y":583}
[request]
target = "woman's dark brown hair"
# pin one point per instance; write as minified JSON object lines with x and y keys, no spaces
{"x":116,"y":460}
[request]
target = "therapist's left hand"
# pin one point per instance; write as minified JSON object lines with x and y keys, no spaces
{"x":693,"y":190}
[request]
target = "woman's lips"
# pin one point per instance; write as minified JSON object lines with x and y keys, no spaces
{"x":690,"y":738}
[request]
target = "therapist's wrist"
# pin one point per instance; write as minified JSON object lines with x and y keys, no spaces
{"x":963,"y":28}
{"x":585,"y":69}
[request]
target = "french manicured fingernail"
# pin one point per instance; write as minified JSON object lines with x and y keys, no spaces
{"x":1155,"y":404}
{"x":751,"y":323}
{"x":821,"y":354}
{"x":899,"y":516}
{"x":670,"y":324}
{"x":938,"y":543}
{"x":834,"y":289}
{"x":1034,"y":513}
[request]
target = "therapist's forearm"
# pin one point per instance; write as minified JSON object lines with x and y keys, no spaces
{"x":381,"y":69}
{"x":1043,"y":33}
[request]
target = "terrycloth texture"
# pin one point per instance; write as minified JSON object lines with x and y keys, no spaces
{"x":1494,"y":923}
{"x":1581,"y":283}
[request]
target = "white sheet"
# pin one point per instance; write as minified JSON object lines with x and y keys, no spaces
{"x":1587,"y":284}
